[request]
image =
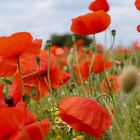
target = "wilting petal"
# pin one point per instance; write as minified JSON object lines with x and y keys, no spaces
{"x":85,"y":115}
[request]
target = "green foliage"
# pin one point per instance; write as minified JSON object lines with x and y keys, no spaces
{"x":66,"y":40}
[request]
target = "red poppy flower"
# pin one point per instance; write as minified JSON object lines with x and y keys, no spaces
{"x":13,"y":48}
{"x":137,"y":4}
{"x":61,"y":55}
{"x":99,"y":5}
{"x":38,"y":77}
{"x":100,"y":64}
{"x":57,"y":51}
{"x":99,"y":48}
{"x":138,"y":28}
{"x":82,"y":71}
{"x":85,"y":115}
{"x":18,"y":123}
{"x":136,"y":46}
{"x":41,"y":83}
{"x":15,"y":93}
{"x":30,"y":66}
{"x":91,"y":23}
{"x":111,"y":85}
{"x":79,"y":43}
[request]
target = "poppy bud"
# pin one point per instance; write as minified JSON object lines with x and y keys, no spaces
{"x":38,"y":60}
{"x":34,"y":92}
{"x":93,"y":47}
{"x":113,"y":32}
{"x":73,"y":39}
{"x":87,"y":49}
{"x":129,"y":79}
{"x":71,"y":50}
{"x":26,"y":98}
{"x":70,"y":60}
{"x":48,"y":43}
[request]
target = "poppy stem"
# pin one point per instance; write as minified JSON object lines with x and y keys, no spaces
{"x":103,"y":95}
{"x":113,"y":42}
{"x":77,"y":61}
{"x":105,"y":39}
{"x":48,"y":73}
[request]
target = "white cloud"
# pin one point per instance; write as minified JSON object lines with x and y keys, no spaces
{"x":44,"y":17}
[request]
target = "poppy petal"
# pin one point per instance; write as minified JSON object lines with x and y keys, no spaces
{"x":8,"y":66}
{"x":35,"y":131}
{"x":91,"y":23}
{"x":99,"y":5}
{"x":137,"y":4}
{"x":15,"y":44}
{"x":15,"y":88}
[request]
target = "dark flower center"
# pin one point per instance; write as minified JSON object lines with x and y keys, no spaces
{"x":9,"y":101}
{"x":16,"y":55}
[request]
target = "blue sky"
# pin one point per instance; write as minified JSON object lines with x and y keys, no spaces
{"x":45,"y":17}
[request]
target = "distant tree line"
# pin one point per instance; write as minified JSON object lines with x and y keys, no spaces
{"x":66,"y":40}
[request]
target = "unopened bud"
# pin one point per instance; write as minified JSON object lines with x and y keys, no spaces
{"x":129,"y":79}
{"x":71,"y":51}
{"x":73,"y":39}
{"x":70,"y":60}
{"x":38,"y":60}
{"x":87,"y":49}
{"x":113,"y":32}
{"x":34,"y":92}
{"x":93,"y":47}
{"x":48,"y":43}
{"x":26,"y":98}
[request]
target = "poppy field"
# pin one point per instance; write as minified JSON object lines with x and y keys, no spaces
{"x":81,"y":92}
